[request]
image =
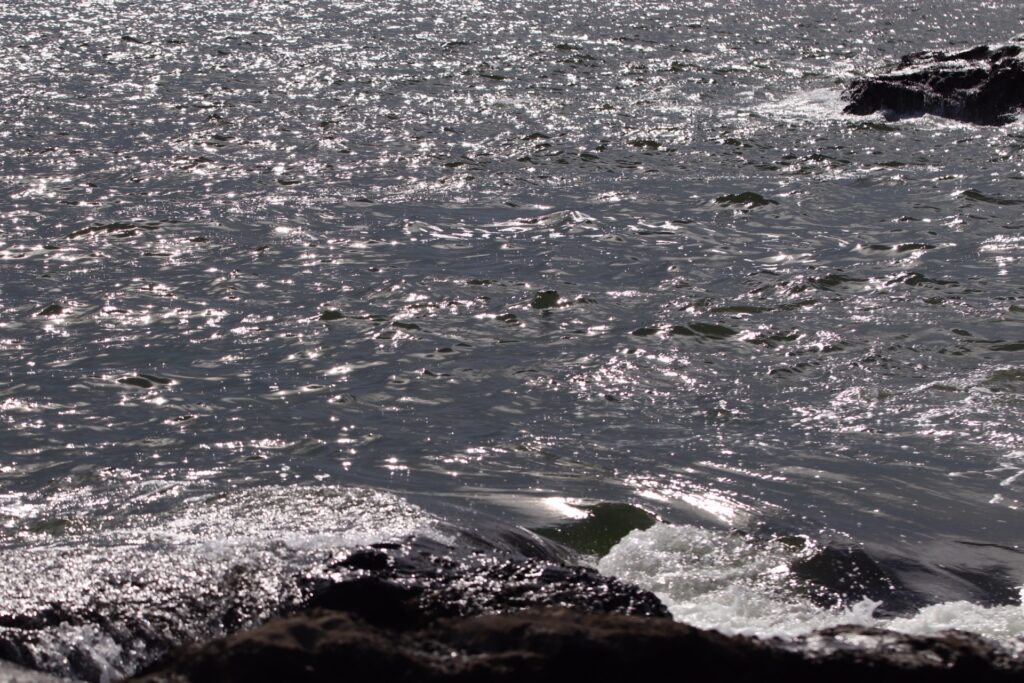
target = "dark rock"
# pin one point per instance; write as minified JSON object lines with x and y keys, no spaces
{"x":546,"y":299}
{"x":140,"y":382}
{"x":983,"y":85}
{"x":423,"y":584}
{"x":747,"y":199}
{"x":418,"y":613}
{"x":383,"y":591}
{"x":509,"y":607}
{"x":605,"y":525}
{"x":385,"y":604}
{"x":847,"y":575}
{"x":563,"y":645}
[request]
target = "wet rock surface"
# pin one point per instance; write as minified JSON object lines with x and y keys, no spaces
{"x":415,"y":614}
{"x":983,"y":85}
{"x":403,"y":585}
{"x":425,"y":611}
{"x":557,"y":644}
{"x":421,"y":585}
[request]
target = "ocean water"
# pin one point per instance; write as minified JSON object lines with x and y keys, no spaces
{"x":280,"y":279}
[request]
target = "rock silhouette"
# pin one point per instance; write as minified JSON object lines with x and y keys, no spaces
{"x":420,"y":616}
{"x":983,"y":85}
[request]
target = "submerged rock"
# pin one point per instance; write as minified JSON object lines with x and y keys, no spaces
{"x":983,"y":85}
{"x":564,"y":645}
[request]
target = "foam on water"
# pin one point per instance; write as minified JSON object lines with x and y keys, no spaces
{"x":736,"y":584}
{"x":722,"y":580}
{"x":816,"y":104}
{"x":1003,"y":623}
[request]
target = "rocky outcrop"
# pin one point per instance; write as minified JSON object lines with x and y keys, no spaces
{"x":421,"y":585}
{"x":421,"y":611}
{"x":563,"y":645}
{"x":130,"y":619}
{"x":983,"y":85}
{"x":416,"y":615}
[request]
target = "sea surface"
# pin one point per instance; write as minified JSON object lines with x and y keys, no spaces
{"x":278,"y":279}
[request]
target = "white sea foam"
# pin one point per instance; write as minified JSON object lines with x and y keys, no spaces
{"x":1003,"y":623}
{"x":735,"y":584}
{"x":817,"y":104}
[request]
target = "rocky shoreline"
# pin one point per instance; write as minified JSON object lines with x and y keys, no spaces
{"x":556,"y":644}
{"x":424,"y":612}
{"x":425,"y":617}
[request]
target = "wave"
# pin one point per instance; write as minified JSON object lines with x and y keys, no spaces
{"x":738,"y":583}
